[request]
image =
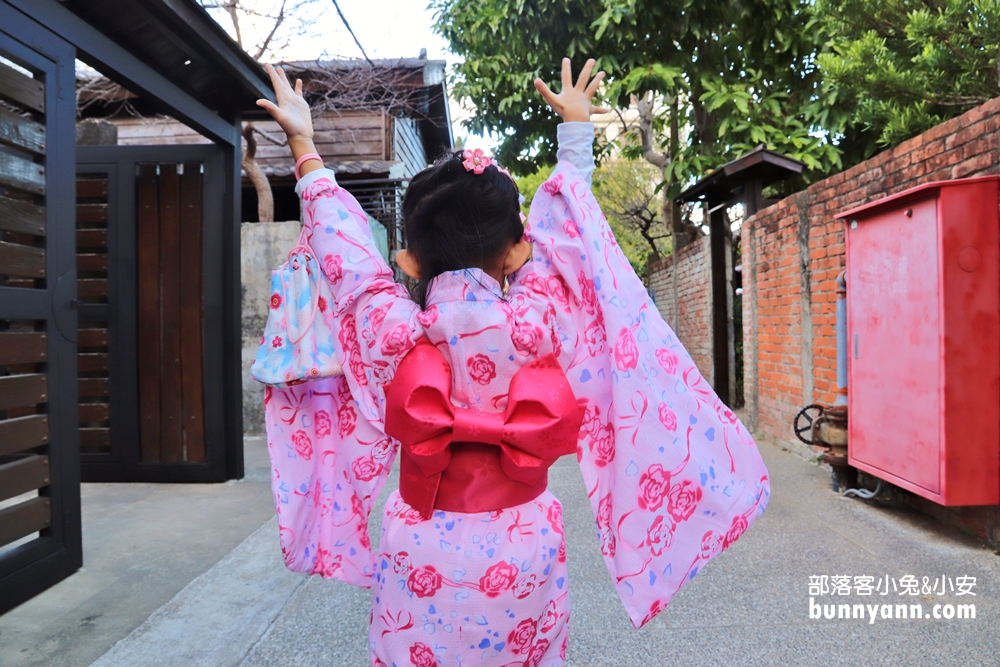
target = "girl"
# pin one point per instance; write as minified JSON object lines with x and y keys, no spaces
{"x":480,"y":389}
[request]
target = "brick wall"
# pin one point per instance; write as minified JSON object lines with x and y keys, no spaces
{"x":681,"y":286}
{"x":792,"y":253}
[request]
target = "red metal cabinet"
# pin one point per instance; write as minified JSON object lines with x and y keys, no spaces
{"x":923,"y":326}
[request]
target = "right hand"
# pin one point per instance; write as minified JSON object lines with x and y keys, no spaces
{"x":573,"y":103}
{"x":291,"y":111}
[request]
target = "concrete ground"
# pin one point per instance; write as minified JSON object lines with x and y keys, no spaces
{"x":749,"y":607}
{"x":142,"y":545}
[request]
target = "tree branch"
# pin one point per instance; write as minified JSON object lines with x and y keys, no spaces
{"x":265,"y":198}
{"x":231,"y":6}
{"x":278,"y":20}
{"x":645,"y":107}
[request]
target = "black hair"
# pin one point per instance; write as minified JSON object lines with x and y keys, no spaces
{"x":457,"y":219}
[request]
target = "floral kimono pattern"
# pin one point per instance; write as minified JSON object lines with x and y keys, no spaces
{"x":672,"y":475}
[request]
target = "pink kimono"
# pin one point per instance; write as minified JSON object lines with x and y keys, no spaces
{"x":672,"y":475}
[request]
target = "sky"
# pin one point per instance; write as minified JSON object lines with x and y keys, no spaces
{"x":386,"y":29}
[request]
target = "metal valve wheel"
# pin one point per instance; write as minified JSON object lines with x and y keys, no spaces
{"x":804,"y":421}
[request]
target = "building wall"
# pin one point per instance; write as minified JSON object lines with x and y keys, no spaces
{"x":681,"y":287}
{"x":344,"y":137}
{"x":407,"y":146}
{"x":792,"y":254}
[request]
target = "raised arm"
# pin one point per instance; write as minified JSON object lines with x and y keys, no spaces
{"x":373,"y":317}
{"x":577,"y":247}
{"x":576,"y":147}
{"x":672,"y":475}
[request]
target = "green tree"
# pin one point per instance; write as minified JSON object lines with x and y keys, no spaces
{"x":903,"y":66}
{"x":627,"y":193}
{"x":713,"y":80}
{"x":733,"y":75}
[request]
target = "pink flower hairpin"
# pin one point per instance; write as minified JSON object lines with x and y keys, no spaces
{"x":475,"y":161}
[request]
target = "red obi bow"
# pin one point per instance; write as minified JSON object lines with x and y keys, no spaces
{"x":541,"y":423}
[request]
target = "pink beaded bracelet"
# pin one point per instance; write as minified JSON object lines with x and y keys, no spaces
{"x":298,"y":163}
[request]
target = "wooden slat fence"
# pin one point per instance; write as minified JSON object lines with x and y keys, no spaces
{"x":24,"y":390}
{"x":92,"y":290}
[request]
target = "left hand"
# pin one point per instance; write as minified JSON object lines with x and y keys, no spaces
{"x":573,"y":103}
{"x":291,"y":111}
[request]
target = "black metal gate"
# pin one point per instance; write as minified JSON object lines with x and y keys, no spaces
{"x":39,"y":451}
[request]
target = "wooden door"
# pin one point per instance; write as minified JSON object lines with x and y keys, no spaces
{"x":151,"y":326}
{"x":40,"y":540}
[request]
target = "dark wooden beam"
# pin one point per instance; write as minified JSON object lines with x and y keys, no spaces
{"x":720,"y":303}
{"x":225,"y":53}
{"x":126,"y":69}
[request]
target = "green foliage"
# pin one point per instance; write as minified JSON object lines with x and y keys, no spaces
{"x":627,"y":193}
{"x":903,"y":66}
{"x":606,"y":180}
{"x":743,"y":72}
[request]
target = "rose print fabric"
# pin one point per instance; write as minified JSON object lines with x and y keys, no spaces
{"x":672,"y":475}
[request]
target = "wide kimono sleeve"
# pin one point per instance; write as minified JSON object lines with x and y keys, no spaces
{"x":673,"y":477}
{"x":329,"y":454}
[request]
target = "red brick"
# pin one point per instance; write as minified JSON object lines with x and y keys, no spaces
{"x":973,"y":116}
{"x":974,"y":166}
{"x":966,"y":134}
{"x":909,"y":145}
{"x":942,"y":130}
{"x":981,"y":145}
{"x":897,"y":163}
{"x":913,"y":172}
{"x":928,"y":150}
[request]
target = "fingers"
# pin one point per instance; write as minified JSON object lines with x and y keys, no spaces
{"x":599,"y":110}
{"x":273,"y":74}
{"x":298,"y":87}
{"x":270,"y":107}
{"x":594,"y":85}
{"x":550,"y":97}
{"x":279,"y":81}
{"x":581,"y":83}
{"x":567,"y":74}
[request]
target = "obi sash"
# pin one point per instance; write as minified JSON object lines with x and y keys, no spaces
{"x":464,"y":460}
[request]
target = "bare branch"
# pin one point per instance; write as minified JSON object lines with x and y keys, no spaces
{"x":265,"y":198}
{"x":270,"y":138}
{"x":348,"y":85}
{"x":91,"y":90}
{"x":628,"y":196}
{"x":231,"y":6}
{"x":278,"y":20}
{"x":645,"y":107}
{"x":265,"y":33}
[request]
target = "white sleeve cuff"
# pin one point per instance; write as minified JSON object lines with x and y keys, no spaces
{"x":312,"y":176}
{"x":576,"y":146}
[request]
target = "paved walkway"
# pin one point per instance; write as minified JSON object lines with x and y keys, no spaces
{"x":142,"y":545}
{"x":749,"y":607}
